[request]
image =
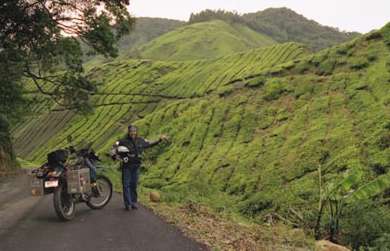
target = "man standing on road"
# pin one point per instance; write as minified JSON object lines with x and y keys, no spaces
{"x":129,"y":151}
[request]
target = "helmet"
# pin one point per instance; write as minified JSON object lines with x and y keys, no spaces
{"x":123,"y":149}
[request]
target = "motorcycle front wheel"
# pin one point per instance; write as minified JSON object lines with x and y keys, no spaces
{"x":64,"y":205}
{"x":102,"y":195}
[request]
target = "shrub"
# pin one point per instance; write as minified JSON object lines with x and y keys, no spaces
{"x":374,"y":36}
{"x":372,"y":57}
{"x":359,"y":63}
{"x":378,"y":168}
{"x":255,"y":205}
{"x":7,"y":157}
{"x":274,"y":90}
{"x":288,"y":66}
{"x":255,"y":82}
{"x":225,"y":91}
{"x":326,"y":67}
{"x":384,"y":141}
{"x":304,"y":87}
{"x":386,"y":34}
{"x":364,"y":223}
{"x":382,"y":243}
{"x":342,"y":51}
{"x":4,"y":131}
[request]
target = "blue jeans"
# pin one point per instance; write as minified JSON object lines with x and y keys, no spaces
{"x":92,"y":169}
{"x":129,"y":184}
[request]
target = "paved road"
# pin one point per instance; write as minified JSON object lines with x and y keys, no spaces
{"x":28,"y":223}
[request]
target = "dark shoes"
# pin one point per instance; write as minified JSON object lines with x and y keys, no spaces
{"x":134,"y":207}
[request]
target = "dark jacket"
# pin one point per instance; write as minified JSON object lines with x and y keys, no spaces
{"x":136,"y":148}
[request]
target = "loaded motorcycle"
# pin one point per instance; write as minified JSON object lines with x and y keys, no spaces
{"x":67,"y":176}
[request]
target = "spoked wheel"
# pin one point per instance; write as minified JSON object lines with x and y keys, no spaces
{"x":63,"y":203}
{"x":102,"y":195}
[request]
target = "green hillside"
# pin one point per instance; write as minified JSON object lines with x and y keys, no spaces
{"x":248,"y":131}
{"x":282,"y":25}
{"x":203,"y":41}
{"x":166,"y":81}
{"x":145,"y":30}
{"x":210,"y":34}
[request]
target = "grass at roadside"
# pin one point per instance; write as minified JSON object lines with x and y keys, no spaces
{"x":228,"y":232}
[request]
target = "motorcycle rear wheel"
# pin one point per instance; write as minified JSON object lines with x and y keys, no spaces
{"x":64,"y":205}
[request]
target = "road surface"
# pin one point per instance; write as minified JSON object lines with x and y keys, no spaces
{"x":28,"y":223}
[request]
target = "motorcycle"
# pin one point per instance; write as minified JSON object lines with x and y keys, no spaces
{"x":69,"y":180}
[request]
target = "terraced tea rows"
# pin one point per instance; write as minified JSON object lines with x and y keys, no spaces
{"x":134,"y":88}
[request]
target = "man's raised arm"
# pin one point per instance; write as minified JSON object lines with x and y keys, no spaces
{"x":148,"y":143}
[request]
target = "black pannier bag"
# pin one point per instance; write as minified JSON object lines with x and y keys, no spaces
{"x":57,"y":159}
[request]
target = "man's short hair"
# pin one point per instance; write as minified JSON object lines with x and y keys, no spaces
{"x":131,"y":128}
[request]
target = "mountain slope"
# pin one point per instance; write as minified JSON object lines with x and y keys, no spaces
{"x":248,"y":131}
{"x":202,"y":41}
{"x":131,"y":81}
{"x":282,"y":25}
{"x":145,"y":30}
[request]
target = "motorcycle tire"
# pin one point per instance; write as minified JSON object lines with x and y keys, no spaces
{"x":64,"y":205}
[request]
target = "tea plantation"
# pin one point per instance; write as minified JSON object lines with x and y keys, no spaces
{"x":248,"y":131}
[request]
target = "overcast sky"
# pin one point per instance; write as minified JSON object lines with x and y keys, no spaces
{"x":349,"y":15}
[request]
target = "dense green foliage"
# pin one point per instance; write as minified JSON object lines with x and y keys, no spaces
{"x":209,"y":15}
{"x":203,"y":41}
{"x":11,"y":100}
{"x":33,"y":43}
{"x":7,"y":157}
{"x":367,"y":224}
{"x":249,"y":131}
{"x":38,"y":45}
{"x":282,"y":25}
